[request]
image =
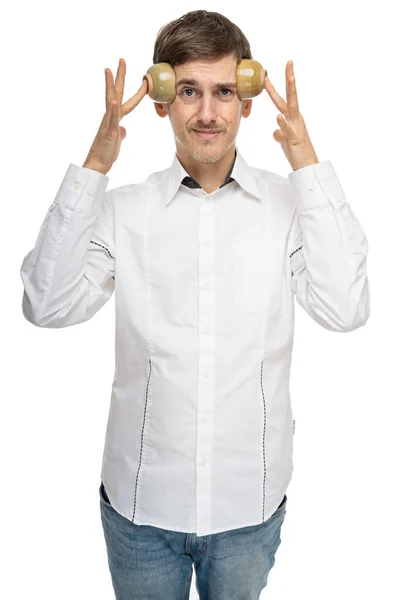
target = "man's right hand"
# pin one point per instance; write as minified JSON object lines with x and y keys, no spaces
{"x":105,"y":148}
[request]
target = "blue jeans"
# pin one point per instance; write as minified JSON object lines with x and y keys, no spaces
{"x":149,"y":563}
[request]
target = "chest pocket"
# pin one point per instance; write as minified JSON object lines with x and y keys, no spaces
{"x":257,"y":275}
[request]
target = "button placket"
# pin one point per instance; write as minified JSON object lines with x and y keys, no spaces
{"x":206,"y":359}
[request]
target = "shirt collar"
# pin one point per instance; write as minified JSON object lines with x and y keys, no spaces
{"x":240,"y":171}
{"x":192,"y":183}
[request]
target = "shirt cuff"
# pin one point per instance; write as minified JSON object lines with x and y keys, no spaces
{"x":82,"y":189}
{"x":316,"y":185}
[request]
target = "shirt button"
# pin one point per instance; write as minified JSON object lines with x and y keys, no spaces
{"x":204,"y":420}
{"x":91,"y":192}
{"x":203,"y":462}
{"x":76,"y":185}
{"x":205,"y":374}
{"x":206,"y":285}
{"x":207,"y":329}
{"x":206,"y":241}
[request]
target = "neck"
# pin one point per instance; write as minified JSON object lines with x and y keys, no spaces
{"x":209,"y":175}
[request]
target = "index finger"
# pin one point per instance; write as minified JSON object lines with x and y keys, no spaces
{"x":275,"y":97}
{"x":130,"y":104}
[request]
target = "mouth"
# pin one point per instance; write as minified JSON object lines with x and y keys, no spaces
{"x":207,"y":135}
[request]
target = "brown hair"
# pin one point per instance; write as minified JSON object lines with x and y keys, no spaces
{"x":200,"y":34}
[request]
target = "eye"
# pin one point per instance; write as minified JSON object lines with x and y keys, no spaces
{"x":185,"y":90}
{"x":227,"y":90}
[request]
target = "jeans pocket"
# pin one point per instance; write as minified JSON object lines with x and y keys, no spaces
{"x":282,"y":504}
{"x":103,"y":495}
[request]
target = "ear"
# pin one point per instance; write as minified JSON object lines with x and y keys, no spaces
{"x":246,"y":108}
{"x":161,"y":109}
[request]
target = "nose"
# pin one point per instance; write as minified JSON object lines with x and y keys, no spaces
{"x":207,"y":112}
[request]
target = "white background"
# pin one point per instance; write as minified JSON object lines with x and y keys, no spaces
{"x":340,"y":538}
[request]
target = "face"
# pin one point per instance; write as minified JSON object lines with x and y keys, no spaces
{"x":205,"y":106}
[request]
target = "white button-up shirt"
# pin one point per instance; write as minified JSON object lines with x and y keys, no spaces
{"x":200,"y":430}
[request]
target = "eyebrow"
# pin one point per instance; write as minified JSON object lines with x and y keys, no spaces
{"x":195,"y":82}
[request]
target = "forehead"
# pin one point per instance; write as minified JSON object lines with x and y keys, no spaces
{"x":203,"y":71}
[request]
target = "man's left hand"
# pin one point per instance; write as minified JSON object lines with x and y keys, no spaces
{"x":292,"y":135}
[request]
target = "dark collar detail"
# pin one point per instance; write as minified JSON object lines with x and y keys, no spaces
{"x":192,"y":183}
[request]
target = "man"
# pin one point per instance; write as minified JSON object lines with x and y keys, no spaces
{"x":206,"y":258}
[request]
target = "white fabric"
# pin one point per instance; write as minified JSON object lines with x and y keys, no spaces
{"x":200,"y":430}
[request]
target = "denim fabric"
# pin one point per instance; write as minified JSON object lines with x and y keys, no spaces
{"x":150,"y":563}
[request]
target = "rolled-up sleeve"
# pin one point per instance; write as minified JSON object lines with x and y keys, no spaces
{"x":327,"y":250}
